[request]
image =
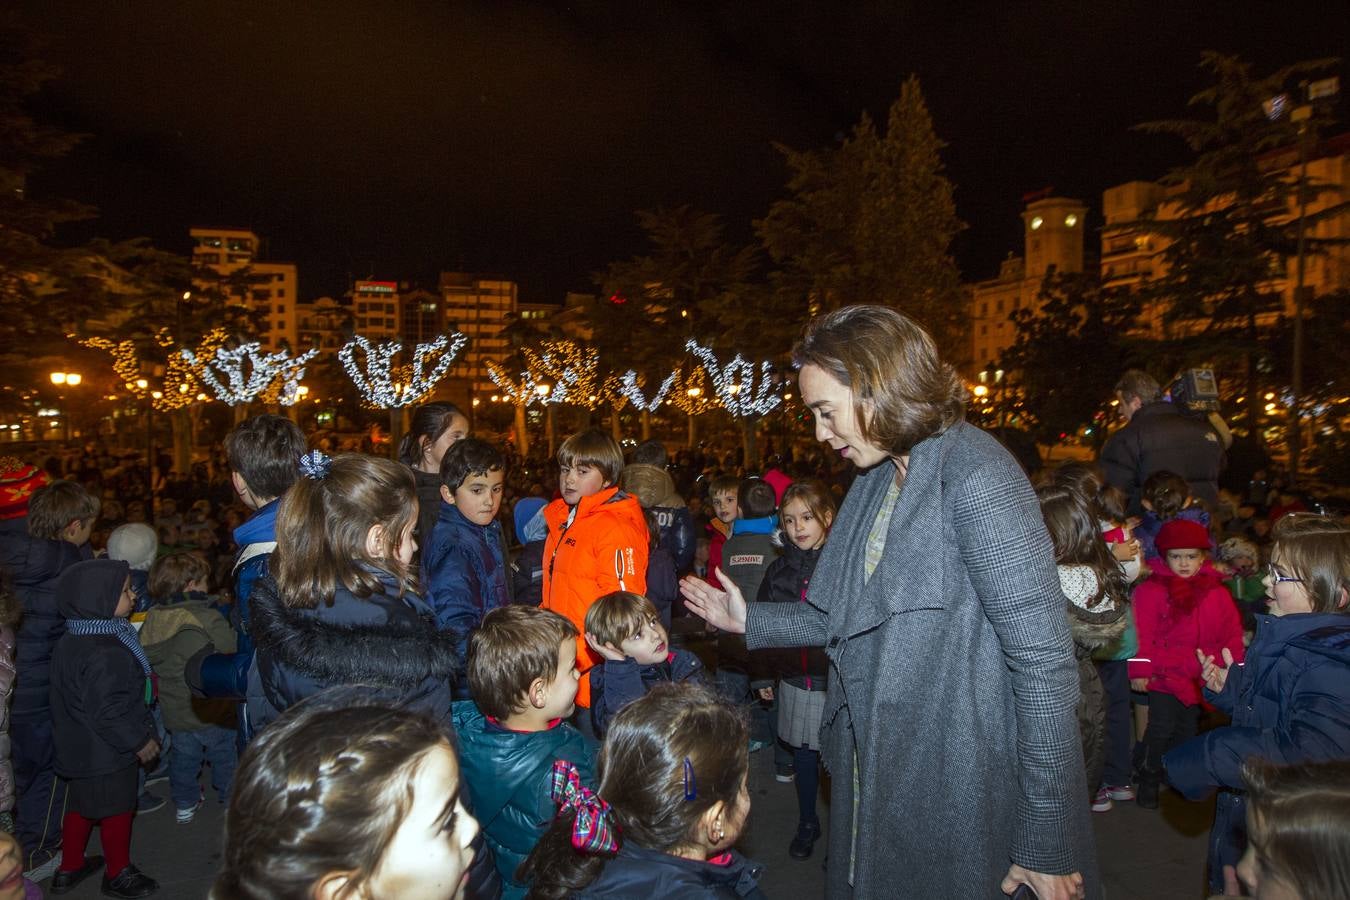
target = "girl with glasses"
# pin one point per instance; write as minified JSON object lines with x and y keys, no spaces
{"x":1290,"y":701}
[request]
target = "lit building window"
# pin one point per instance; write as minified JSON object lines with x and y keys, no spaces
{"x":1036,"y":223}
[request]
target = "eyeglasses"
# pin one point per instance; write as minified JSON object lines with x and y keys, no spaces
{"x":1276,"y":577}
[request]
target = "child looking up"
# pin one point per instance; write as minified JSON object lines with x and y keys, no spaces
{"x":597,"y":540}
{"x":1098,"y":594}
{"x":180,"y":625}
{"x":807,"y":514}
{"x":672,"y":802}
{"x":625,"y":629}
{"x":344,"y":798}
{"x":465,"y":558}
{"x":1290,"y":700}
{"x":523,"y":679}
{"x":1183,"y":606}
{"x":339,"y":607}
{"x":101,"y":695}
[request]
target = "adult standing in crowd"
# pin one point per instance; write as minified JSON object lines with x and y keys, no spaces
{"x":435,"y":429}
{"x":949,"y":723}
{"x":1157,"y":436}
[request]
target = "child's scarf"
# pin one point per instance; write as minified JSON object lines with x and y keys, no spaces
{"x":1184,"y":594}
{"x":118,"y":628}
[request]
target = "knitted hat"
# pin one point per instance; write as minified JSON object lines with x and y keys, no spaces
{"x":1236,"y":546}
{"x":135,"y":544}
{"x":17,"y":483}
{"x":1182,"y":534}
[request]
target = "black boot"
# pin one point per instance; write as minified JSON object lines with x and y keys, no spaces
{"x":63,"y":881}
{"x":805,"y":839}
{"x":1147,"y":795}
{"x":130,"y":884}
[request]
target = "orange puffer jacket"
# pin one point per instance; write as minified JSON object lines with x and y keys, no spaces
{"x":599,"y":548}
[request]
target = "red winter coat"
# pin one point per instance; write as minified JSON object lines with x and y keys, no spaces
{"x":582,"y":561}
{"x":1174,"y":617}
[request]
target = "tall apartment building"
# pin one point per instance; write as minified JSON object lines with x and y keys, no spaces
{"x":227,"y":259}
{"x":422,"y":315}
{"x":1052,"y":240}
{"x":326,"y":323}
{"x":480,"y":306}
{"x":375,"y":310}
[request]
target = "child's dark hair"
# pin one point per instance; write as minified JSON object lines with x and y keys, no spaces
{"x":265,"y":450}
{"x":1166,"y":493}
{"x":470,"y":456}
{"x":172,"y":573}
{"x":815,"y":496}
{"x":1106,"y":502}
{"x":651,"y":453}
{"x":667,"y":759}
{"x":1077,"y":538}
{"x":322,"y":527}
{"x":429,"y":422}
{"x":514,"y":646}
{"x":323,"y":789}
{"x":593,"y":447}
{"x":617,"y":616}
{"x":724,"y":484}
{"x":54,"y":506}
{"x":1301,"y":815}
{"x":755,"y":499}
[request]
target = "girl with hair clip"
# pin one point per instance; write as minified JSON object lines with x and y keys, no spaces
{"x":1098,"y":609}
{"x":1166,"y":496}
{"x":673,"y":799}
{"x":436,"y":427}
{"x":343,"y":798}
{"x":1290,"y":699}
{"x":339,"y":604}
{"x":1298,"y":823}
{"x":806,"y":514}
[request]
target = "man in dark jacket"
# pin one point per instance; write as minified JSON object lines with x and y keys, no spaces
{"x":1159,"y":436}
{"x":647,"y":479}
{"x":33,"y":563}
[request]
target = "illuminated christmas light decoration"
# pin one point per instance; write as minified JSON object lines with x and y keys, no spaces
{"x":571,"y":370}
{"x":183,"y":379}
{"x":691,"y":393}
{"x":276,"y":376}
{"x":736,"y":384}
{"x":521,"y":391}
{"x":389,"y":387}
{"x":630,"y":387}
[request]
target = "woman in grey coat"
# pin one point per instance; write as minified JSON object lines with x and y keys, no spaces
{"x":950,"y":726}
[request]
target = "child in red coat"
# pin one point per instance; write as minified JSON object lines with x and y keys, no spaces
{"x":1179,"y":609}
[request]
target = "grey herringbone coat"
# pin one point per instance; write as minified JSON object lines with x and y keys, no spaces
{"x":953,"y":687}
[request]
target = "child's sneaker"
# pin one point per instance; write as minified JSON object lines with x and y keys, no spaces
{"x":786,"y":774}
{"x":188,"y":813}
{"x":1119,"y":791}
{"x":1102,"y":802}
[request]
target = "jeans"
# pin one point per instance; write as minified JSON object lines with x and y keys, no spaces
{"x":1116,"y":683}
{"x":210,"y":743}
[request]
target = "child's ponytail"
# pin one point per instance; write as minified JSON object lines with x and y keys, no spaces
{"x":1166,"y":492}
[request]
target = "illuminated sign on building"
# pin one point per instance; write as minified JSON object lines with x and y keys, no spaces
{"x":377,"y":287}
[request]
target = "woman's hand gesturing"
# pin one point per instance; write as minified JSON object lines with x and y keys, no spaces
{"x":724,"y":609}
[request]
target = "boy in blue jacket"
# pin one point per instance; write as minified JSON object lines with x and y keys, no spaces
{"x":625,"y":628}
{"x":523,"y":676}
{"x":1290,"y":699}
{"x":464,"y":562}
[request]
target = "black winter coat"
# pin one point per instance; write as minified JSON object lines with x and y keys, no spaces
{"x":1161,"y":437}
{"x":785,"y":582}
{"x":100,"y":716}
{"x":617,"y":683}
{"x":637,"y":872}
{"x":34,"y":564}
{"x":388,"y":642}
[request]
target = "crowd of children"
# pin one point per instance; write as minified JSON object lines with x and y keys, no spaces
{"x":479,"y":686}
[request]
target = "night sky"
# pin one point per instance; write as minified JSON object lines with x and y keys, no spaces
{"x":395,"y":139}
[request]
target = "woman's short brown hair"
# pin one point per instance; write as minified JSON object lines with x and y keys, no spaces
{"x":593,"y":447}
{"x":902,"y":390}
{"x":514,"y":646}
{"x":171,"y":573}
{"x":1316,"y":549}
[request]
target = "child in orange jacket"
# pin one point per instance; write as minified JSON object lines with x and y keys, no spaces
{"x":597,"y":540}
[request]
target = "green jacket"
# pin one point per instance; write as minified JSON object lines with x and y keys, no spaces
{"x":172,"y":634}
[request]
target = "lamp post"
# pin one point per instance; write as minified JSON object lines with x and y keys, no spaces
{"x":994,"y":376}
{"x":65,"y":379}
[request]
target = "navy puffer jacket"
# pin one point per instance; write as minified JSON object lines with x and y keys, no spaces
{"x":386,"y":641}
{"x":34,"y":565}
{"x":637,"y":872}
{"x":1289,"y":702}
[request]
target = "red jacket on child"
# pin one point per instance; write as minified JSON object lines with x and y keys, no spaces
{"x":1174,"y":617}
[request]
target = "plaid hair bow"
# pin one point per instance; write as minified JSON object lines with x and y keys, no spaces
{"x":591,"y":831}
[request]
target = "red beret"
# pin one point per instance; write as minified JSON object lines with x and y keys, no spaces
{"x":1183,"y":534}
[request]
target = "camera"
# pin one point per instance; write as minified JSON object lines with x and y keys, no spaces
{"x":1195,"y":391}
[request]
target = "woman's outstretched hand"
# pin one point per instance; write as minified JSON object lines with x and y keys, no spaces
{"x":724,"y":609}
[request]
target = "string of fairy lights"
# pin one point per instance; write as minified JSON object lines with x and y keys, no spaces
{"x":556,"y":372}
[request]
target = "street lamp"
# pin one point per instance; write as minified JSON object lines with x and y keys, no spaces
{"x":65,"y":379}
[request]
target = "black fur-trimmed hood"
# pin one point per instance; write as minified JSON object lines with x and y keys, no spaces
{"x":382,"y":640}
